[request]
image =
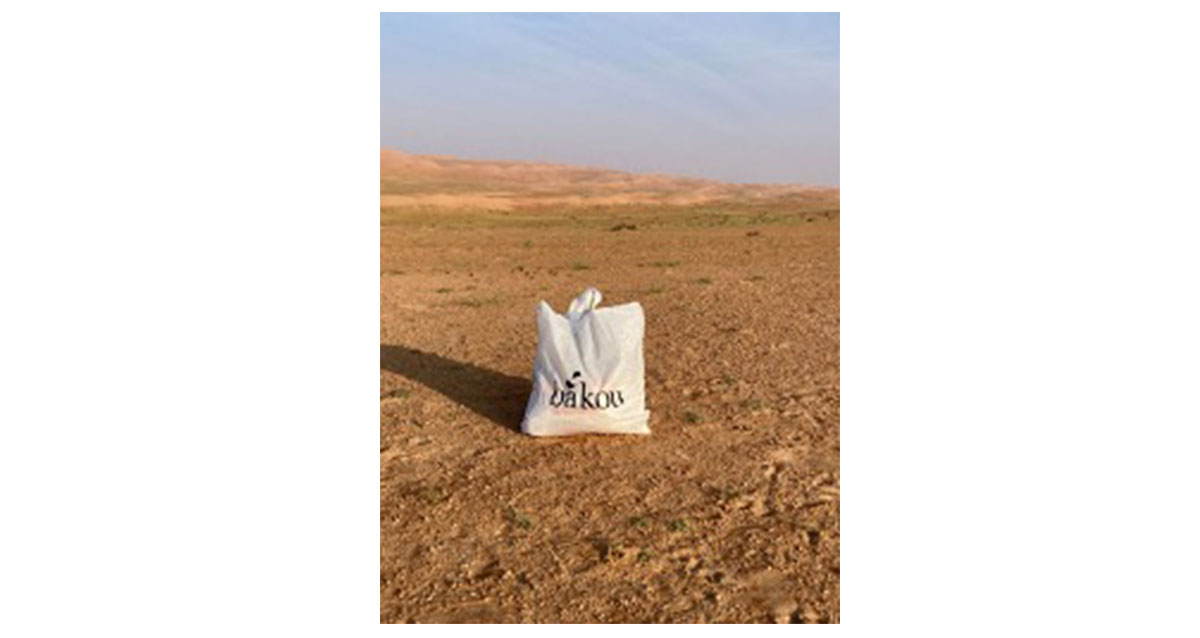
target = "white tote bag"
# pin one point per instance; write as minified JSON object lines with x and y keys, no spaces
{"x":588,"y":375}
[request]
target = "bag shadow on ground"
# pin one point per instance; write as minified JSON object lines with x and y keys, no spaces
{"x":493,"y":395}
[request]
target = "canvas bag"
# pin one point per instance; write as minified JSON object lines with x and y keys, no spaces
{"x":588,"y":374}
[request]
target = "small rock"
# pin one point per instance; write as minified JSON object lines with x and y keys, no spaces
{"x":783,"y":611}
{"x":809,"y":616}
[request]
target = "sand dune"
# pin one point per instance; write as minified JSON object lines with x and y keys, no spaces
{"x":442,"y":181}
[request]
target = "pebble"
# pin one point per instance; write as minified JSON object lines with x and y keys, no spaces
{"x":782,"y":611}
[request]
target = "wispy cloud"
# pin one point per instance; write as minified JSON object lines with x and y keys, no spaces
{"x":745,"y":97}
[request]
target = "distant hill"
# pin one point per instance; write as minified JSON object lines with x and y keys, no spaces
{"x":445,"y":181}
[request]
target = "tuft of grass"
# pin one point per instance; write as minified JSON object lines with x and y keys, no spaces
{"x":442,"y":291}
{"x":704,"y":280}
{"x":399,"y":393}
{"x":433,"y":495}
{"x":528,"y":243}
{"x":728,"y":379}
{"x":644,"y":556}
{"x":580,"y":266}
{"x":639,"y":521}
{"x":624,"y":226}
{"x":755,"y":278}
{"x":662,"y":264}
{"x":677,"y":525}
{"x":517,"y":519}
{"x":752,"y":404}
{"x":753,"y":233}
{"x":470,"y":303}
{"x":724,"y":492}
{"x":691,"y":417}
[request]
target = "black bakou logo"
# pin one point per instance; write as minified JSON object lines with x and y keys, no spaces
{"x":581,"y":398}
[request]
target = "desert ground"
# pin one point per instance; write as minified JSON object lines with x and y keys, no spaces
{"x":727,"y":513}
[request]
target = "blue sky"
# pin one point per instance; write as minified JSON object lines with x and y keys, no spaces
{"x":733,"y":96}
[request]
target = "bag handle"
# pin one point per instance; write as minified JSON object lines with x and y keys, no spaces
{"x":587,"y":300}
